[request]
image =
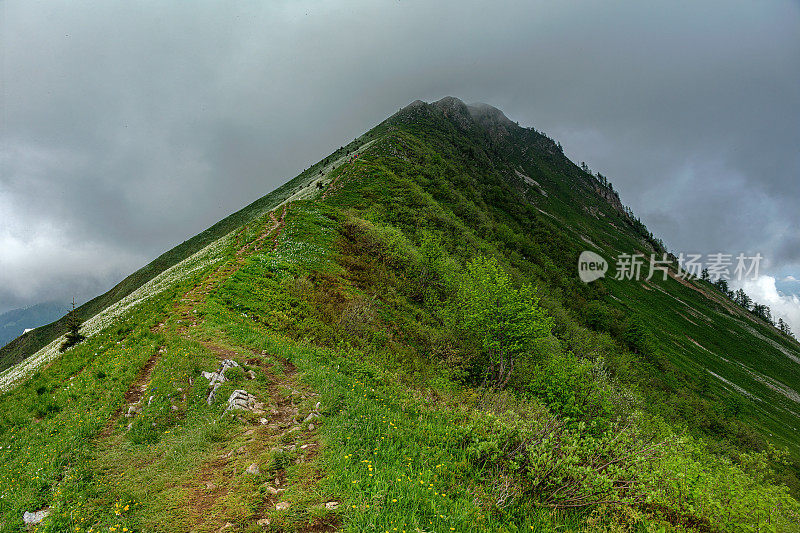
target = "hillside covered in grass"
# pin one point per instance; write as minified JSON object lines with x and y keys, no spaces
{"x":418,"y":354}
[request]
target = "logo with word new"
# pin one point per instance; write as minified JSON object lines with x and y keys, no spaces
{"x":591,"y":266}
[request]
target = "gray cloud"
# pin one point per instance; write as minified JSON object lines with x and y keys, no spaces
{"x":127,"y":128}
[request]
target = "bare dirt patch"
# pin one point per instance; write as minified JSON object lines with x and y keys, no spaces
{"x":135,"y":392}
{"x":280,"y":429}
{"x":204,"y":491}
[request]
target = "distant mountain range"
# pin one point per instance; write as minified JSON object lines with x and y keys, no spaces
{"x":13,"y":323}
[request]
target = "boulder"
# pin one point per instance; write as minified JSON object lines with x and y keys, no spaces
{"x":241,"y":399}
{"x":35,"y":517}
{"x":215,"y":379}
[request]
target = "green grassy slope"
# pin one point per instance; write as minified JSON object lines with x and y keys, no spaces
{"x":345,"y":310}
{"x":24,"y":346}
{"x":695,"y":328}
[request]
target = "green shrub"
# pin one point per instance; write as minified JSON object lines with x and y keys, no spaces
{"x":566,"y":385}
{"x":280,"y":459}
{"x":503,"y":320}
{"x":597,"y":316}
{"x":637,"y":336}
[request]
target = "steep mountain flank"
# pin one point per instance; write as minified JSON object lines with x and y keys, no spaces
{"x":398,"y":339}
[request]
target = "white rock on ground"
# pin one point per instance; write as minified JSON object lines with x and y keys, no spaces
{"x":35,"y":517}
{"x":215,"y":379}
{"x":241,"y":399}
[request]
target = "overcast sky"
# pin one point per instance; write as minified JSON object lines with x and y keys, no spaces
{"x":128,"y":127}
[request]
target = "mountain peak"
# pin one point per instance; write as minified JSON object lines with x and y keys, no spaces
{"x":487,"y":113}
{"x":450,"y":102}
{"x":455,"y":110}
{"x":415,"y":103}
{"x":465,"y":115}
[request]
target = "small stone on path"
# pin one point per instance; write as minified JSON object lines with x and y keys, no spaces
{"x":36,"y":517}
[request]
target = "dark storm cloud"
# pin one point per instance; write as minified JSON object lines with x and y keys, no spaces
{"x":128,"y":127}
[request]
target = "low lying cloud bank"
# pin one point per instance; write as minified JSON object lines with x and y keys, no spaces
{"x":51,"y":265}
{"x":764,"y":290}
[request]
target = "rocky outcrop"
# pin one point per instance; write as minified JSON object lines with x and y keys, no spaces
{"x":455,"y":110}
{"x":241,"y":399}
{"x":611,"y":196}
{"x":215,"y":379}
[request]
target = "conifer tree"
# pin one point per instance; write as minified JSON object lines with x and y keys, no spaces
{"x":73,"y":335}
{"x":741,"y":298}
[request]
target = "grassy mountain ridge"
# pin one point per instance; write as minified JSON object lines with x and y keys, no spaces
{"x":409,"y":315}
{"x":749,"y":354}
{"x":23,"y":347}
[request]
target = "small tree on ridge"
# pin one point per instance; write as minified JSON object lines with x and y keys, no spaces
{"x":73,"y":335}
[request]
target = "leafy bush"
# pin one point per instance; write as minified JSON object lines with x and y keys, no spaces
{"x":637,"y":336}
{"x":597,"y":316}
{"x":502,"y":319}
{"x":567,"y":386}
{"x":638,"y":462}
{"x":564,"y":466}
{"x":280,"y":459}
